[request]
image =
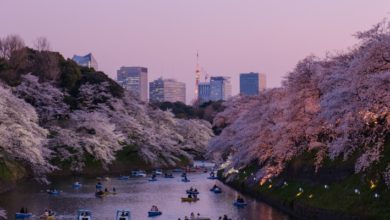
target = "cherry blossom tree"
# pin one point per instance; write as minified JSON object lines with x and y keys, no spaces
{"x":21,"y":137}
{"x":336,"y":106}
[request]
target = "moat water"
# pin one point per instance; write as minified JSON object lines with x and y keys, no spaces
{"x":136,"y":195}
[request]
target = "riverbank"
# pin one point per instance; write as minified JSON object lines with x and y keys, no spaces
{"x":13,"y":172}
{"x":295,"y":209}
{"x":335,"y":191}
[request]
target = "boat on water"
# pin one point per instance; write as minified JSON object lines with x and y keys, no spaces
{"x":101,"y":194}
{"x":185,"y":180}
{"x":122,"y":215}
{"x":212,"y":176}
{"x":240,"y":204}
{"x":192,"y":192}
{"x":138,"y":173}
{"x":153,"y":178}
{"x":168,"y":175}
{"x":48,"y":215}
{"x":53,"y":191}
{"x":158,"y":172}
{"x":76,"y":185}
{"x":154,"y":213}
{"x":124,"y":177}
{"x":20,"y":215}
{"x":217,"y":190}
{"x":186,"y":199}
{"x":83,"y":214}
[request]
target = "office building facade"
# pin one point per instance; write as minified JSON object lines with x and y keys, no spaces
{"x":252,"y":84}
{"x":86,"y":61}
{"x":134,"y":79}
{"x":203,"y":92}
{"x":167,"y":90}
{"x":219,"y":88}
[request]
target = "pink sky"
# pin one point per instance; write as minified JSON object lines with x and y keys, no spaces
{"x":231,"y":36}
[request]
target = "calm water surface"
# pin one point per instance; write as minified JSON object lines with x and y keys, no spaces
{"x":136,"y":195}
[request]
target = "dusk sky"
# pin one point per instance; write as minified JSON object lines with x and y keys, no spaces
{"x":231,"y":36}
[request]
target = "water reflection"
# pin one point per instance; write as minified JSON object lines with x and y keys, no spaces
{"x":136,"y":195}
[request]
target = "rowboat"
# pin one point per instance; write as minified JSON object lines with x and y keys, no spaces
{"x":83,"y":214}
{"x":19,"y":215}
{"x":122,"y":215}
{"x":186,"y":199}
{"x":154,"y":213}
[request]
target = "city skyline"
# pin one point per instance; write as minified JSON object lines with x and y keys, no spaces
{"x":168,"y":38}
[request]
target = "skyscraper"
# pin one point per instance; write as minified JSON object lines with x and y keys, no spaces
{"x":252,"y":83}
{"x":219,"y":88}
{"x":167,"y":90}
{"x":203,"y":92}
{"x":87,"y":61}
{"x":134,"y":79}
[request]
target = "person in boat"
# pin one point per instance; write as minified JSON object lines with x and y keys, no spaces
{"x":106,"y":190}
{"x":195,"y":190}
{"x":113,"y":189}
{"x":23,"y":210}
{"x":240,"y":199}
{"x":225,"y":217}
{"x":154,"y":209}
{"x":191,"y":189}
{"x":189,"y":196}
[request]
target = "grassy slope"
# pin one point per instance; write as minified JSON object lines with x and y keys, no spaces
{"x":10,"y":173}
{"x":315,"y":200}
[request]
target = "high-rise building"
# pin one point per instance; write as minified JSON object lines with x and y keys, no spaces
{"x":167,"y":90}
{"x":203,"y":92}
{"x":219,"y":88}
{"x":134,"y":79}
{"x":252,"y":83}
{"x":87,"y":61}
